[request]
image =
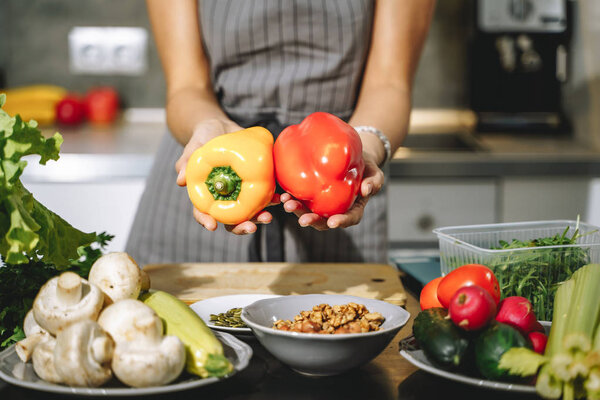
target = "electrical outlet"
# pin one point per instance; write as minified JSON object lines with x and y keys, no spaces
{"x":108,"y":50}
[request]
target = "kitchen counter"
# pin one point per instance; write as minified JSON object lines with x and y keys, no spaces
{"x":495,"y":155}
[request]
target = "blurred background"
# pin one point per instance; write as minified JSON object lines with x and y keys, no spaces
{"x":505,"y":127}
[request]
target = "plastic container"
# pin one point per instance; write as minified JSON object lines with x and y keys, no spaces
{"x":531,"y":272}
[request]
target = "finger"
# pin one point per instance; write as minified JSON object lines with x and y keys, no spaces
{"x":351,"y":217}
{"x":242,"y":229}
{"x":294,"y":206}
{"x":372,"y":182}
{"x":205,"y":220}
{"x":313,"y":220}
{"x":181,"y":163}
{"x":263,"y":217}
{"x":285,"y":197}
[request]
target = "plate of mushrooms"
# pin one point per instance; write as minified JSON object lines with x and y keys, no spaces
{"x":94,"y":337}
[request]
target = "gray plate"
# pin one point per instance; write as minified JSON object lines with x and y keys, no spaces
{"x":416,"y":357}
{"x":14,"y":371}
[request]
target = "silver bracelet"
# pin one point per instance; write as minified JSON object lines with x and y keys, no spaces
{"x":384,"y":140}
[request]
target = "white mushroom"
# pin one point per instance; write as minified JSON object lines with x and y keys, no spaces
{"x":64,"y":300}
{"x":43,"y":360}
{"x":34,"y":334}
{"x":143,"y":356}
{"x":121,"y":319}
{"x":30,"y":325}
{"x":119,"y":277}
{"x":83,"y":353}
{"x":24,"y":348}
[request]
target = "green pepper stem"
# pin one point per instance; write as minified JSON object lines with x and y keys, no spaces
{"x":224,"y":183}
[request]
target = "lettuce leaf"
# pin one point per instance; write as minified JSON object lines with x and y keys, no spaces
{"x":27,"y":228}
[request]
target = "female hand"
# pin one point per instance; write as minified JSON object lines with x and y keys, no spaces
{"x":203,"y":132}
{"x":372,"y":183}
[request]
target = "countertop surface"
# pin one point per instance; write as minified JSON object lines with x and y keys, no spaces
{"x":126,"y":150}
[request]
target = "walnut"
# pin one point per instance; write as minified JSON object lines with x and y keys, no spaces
{"x":341,"y":318}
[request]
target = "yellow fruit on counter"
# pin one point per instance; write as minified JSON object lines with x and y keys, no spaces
{"x":36,"y":102}
{"x":35,"y":92}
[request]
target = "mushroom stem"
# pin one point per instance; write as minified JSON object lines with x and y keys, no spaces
{"x":102,"y":349}
{"x":24,"y":348}
{"x":68,"y":288}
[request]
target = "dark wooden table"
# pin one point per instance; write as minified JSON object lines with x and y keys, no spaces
{"x":389,"y":376}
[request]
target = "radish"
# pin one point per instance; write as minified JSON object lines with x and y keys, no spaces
{"x":472,"y":308}
{"x":538,"y":340}
{"x":517,"y":312}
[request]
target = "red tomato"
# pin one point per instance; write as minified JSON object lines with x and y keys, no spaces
{"x":468,"y":275}
{"x":428,"y":298}
{"x":102,"y":105}
{"x":471,"y":308}
{"x":538,"y":341}
{"x":70,"y":110}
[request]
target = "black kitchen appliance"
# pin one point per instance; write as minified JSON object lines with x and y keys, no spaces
{"x":517,"y":64}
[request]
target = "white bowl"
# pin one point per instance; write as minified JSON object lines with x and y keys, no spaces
{"x":321,"y":354}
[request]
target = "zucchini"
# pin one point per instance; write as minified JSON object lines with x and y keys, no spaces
{"x":204,"y":352}
{"x":444,"y":344}
{"x":491,"y":344}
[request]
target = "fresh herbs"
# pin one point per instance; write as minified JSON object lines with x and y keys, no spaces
{"x":535,"y":274}
{"x":536,"y":267}
{"x":35,"y":243}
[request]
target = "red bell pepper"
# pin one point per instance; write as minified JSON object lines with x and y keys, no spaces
{"x":320,"y":163}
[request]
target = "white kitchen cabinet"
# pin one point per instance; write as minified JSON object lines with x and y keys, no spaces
{"x":94,"y":206}
{"x":544,"y":198}
{"x":415,"y":207}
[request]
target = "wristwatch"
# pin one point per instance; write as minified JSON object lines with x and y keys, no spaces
{"x":384,"y":140}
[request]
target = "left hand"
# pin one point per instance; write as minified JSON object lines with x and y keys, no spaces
{"x":372,"y":183}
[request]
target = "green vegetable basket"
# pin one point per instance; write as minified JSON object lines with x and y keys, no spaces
{"x":530,"y":259}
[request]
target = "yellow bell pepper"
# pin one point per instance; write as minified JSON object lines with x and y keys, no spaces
{"x":232,"y":176}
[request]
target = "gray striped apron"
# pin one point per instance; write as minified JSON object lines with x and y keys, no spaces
{"x":273,"y":62}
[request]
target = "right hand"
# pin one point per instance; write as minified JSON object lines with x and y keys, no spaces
{"x":203,"y":132}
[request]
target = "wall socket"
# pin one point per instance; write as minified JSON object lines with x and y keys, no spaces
{"x":108,"y":50}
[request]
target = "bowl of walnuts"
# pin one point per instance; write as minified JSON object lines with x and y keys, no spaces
{"x":324,"y":334}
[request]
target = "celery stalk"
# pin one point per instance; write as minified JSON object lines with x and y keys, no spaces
{"x":562,"y":301}
{"x":584,"y":309}
{"x":560,"y":364}
{"x":592,"y":384}
{"x":548,"y":385}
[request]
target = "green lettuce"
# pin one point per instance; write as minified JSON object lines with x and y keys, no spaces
{"x":28,"y":230}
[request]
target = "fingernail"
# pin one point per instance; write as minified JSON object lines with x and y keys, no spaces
{"x":180,"y":174}
{"x":369,"y":188}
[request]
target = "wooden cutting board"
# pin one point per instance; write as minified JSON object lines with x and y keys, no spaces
{"x":192,"y":282}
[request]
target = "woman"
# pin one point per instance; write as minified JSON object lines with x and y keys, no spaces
{"x":271,"y":63}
